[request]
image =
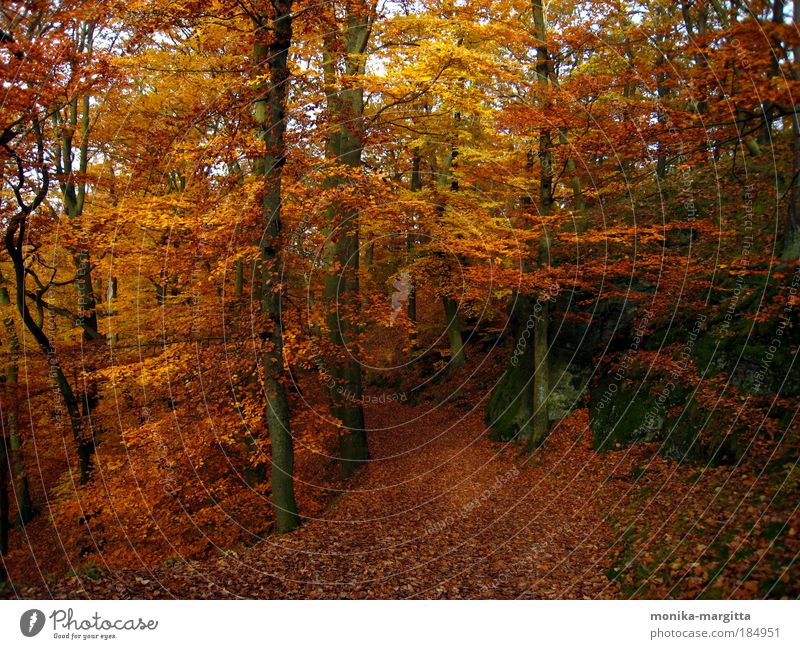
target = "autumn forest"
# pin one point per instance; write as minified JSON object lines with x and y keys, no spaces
{"x":400,"y":299}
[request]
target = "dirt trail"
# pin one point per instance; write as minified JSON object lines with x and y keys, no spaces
{"x":440,"y":512}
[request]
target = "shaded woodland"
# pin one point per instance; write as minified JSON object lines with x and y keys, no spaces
{"x":413,"y":298}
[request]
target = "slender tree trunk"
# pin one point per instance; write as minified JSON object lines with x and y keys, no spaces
{"x":452,"y":323}
{"x":661,"y":94}
{"x":271,"y":49}
{"x":111,"y":294}
{"x":416,"y":185}
{"x":541,"y":388}
{"x":574,"y":181}
{"x":412,"y":309}
{"x":13,"y":240}
{"x":541,"y":376}
{"x":369,"y":254}
{"x":5,"y":522}
{"x":16,"y":458}
{"x":457,"y":356}
{"x":791,"y":235}
{"x":511,"y":406}
{"x":238,"y":287}
{"x":72,"y":182}
{"x":345,"y":100}
{"x":518,"y":406}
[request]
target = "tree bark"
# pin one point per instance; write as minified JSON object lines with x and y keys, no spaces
{"x":4,"y":517}
{"x":271,"y":49}
{"x":457,"y":356}
{"x":452,"y":323}
{"x":791,"y":236}
{"x":541,"y":377}
{"x":14,"y":239}
{"x":72,"y":183}
{"x":345,"y":102}
{"x":511,"y":406}
{"x":416,"y":185}
{"x":14,"y":438}
{"x":661,"y":93}
{"x":518,"y":407}
{"x":238,"y":285}
{"x":541,"y":373}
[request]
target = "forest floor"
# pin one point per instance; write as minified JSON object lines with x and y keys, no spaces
{"x":443,"y":512}
{"x":440,"y":512}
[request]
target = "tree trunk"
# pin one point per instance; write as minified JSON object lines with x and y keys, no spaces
{"x":416,"y":185}
{"x":518,"y":406}
{"x":238,"y":286}
{"x":574,"y":182}
{"x":13,"y":240}
{"x":791,"y":235}
{"x":273,"y":40}
{"x":14,"y":448}
{"x":541,"y":373}
{"x":457,"y":357}
{"x":72,"y":182}
{"x":4,"y":518}
{"x":510,"y":410}
{"x":453,"y":325}
{"x":345,"y":100}
{"x":661,"y":94}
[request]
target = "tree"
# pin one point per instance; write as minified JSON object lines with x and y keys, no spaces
{"x":448,"y":182}
{"x":345,"y":49}
{"x":15,"y":240}
{"x":791,"y":239}
{"x":273,"y":38}
{"x":24,"y":145}
{"x":16,"y":460}
{"x":4,"y":520}
{"x":71,"y":167}
{"x":518,"y":408}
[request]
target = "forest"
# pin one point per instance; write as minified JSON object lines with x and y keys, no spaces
{"x":388,"y":299}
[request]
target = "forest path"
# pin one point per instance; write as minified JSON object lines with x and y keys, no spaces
{"x":440,"y":512}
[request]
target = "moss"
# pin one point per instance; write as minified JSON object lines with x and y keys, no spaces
{"x":640,"y":413}
{"x":697,"y":436}
{"x":566,"y":388}
{"x":508,"y":413}
{"x":620,"y":416}
{"x":740,"y":345}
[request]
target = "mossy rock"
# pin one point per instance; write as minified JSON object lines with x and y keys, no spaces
{"x":737,"y":343}
{"x":644,"y":411}
{"x":567,"y":387}
{"x":699,"y":436}
{"x":621,"y":415}
{"x":507,"y":411}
